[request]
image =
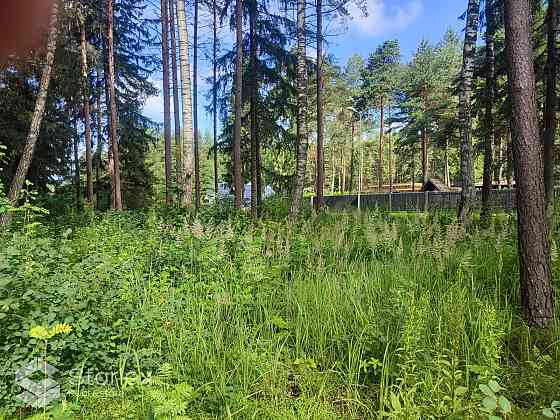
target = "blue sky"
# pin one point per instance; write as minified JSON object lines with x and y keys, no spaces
{"x":409,"y":21}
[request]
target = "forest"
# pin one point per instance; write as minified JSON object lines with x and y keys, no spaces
{"x":296,"y":229}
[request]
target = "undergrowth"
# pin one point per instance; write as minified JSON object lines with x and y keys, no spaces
{"x":346,"y":315}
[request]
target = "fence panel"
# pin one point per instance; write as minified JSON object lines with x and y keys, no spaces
{"x":419,"y":201}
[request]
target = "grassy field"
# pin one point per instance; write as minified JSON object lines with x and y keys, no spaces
{"x":348,"y":315}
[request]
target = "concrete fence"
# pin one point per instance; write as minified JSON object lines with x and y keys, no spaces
{"x":418,"y":201}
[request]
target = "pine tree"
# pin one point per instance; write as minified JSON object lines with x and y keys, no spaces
{"x":166,"y":98}
{"x":113,"y":117}
{"x":187,"y":136}
{"x":465,"y":118}
{"x":236,"y":150}
{"x":302,"y":138}
{"x":489,"y":135}
{"x":537,"y":293}
{"x":86,"y":108}
{"x":25,"y":162}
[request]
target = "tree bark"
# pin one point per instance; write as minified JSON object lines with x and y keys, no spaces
{"x":166,"y":99}
{"x":176,"y":106}
{"x":99,"y":145}
{"x":38,"y":113}
{"x":465,"y":118}
{"x":187,"y":136}
{"x":86,"y":112}
{"x":489,"y":112}
{"x":534,"y":248}
{"x":446,"y":163}
{"x":333,"y":169}
{"x":424,"y":153}
{"x":215,"y":93}
{"x":301,"y":159}
{"x":498,"y":158}
{"x":254,"y":90}
{"x":320,"y":165}
{"x":352,"y":139}
{"x":197,"y":188}
{"x":77,"y":181}
{"x":236,"y":150}
{"x":381,"y":147}
{"x":424,"y":139}
{"x":110,"y":162}
{"x":550,"y":106}
{"x":390,"y":164}
{"x":116,"y":179}
{"x":413,"y":176}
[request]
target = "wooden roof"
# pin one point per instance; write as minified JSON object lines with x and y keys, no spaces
{"x":434,"y":184}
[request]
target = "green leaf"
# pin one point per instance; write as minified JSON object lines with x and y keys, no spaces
{"x":547,"y":412}
{"x":494,"y":418}
{"x":485,"y":389}
{"x":494,"y":386}
{"x":489,"y":403}
{"x":461,"y":390}
{"x":504,"y":404}
{"x":395,"y":402}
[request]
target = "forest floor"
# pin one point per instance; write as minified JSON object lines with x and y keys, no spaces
{"x":348,"y":315}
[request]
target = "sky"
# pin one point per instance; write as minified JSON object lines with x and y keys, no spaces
{"x":409,"y":21}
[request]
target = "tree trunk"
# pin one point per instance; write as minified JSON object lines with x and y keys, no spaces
{"x":446,"y":163}
{"x":351,"y":182}
{"x":116,"y":179}
{"x":509,"y":160}
{"x":77,"y":181}
{"x":33,"y":135}
{"x":413,"y":171}
{"x":489,"y":112}
{"x":254,"y":90}
{"x":333,"y":169}
{"x":381,"y":147}
{"x":197,"y":190}
{"x":215,"y":93}
{"x":465,"y":118}
{"x":550,"y":106}
{"x":534,"y":249}
{"x":343,"y":170}
{"x":320,"y":165}
{"x":390,"y":164}
{"x":424,"y":153}
{"x":87,"y":113}
{"x":166,"y":99}
{"x":99,"y":145}
{"x":424,"y":139}
{"x":236,"y":150}
{"x":498,"y":158}
{"x":301,"y":160}
{"x":187,"y":136}
{"x":176,"y":106}
{"x":110,"y":161}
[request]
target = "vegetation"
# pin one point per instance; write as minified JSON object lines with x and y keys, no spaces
{"x":341,"y":316}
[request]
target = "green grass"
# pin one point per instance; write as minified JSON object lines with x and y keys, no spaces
{"x":347,"y":315}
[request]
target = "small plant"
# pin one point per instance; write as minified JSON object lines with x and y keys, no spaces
{"x":494,"y":404}
{"x":553,"y":411}
{"x":45,"y":334}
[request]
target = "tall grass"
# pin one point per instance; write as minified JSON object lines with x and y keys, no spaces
{"x":347,"y":315}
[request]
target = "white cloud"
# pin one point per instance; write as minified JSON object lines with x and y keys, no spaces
{"x":382,"y":18}
{"x":153,"y":108}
